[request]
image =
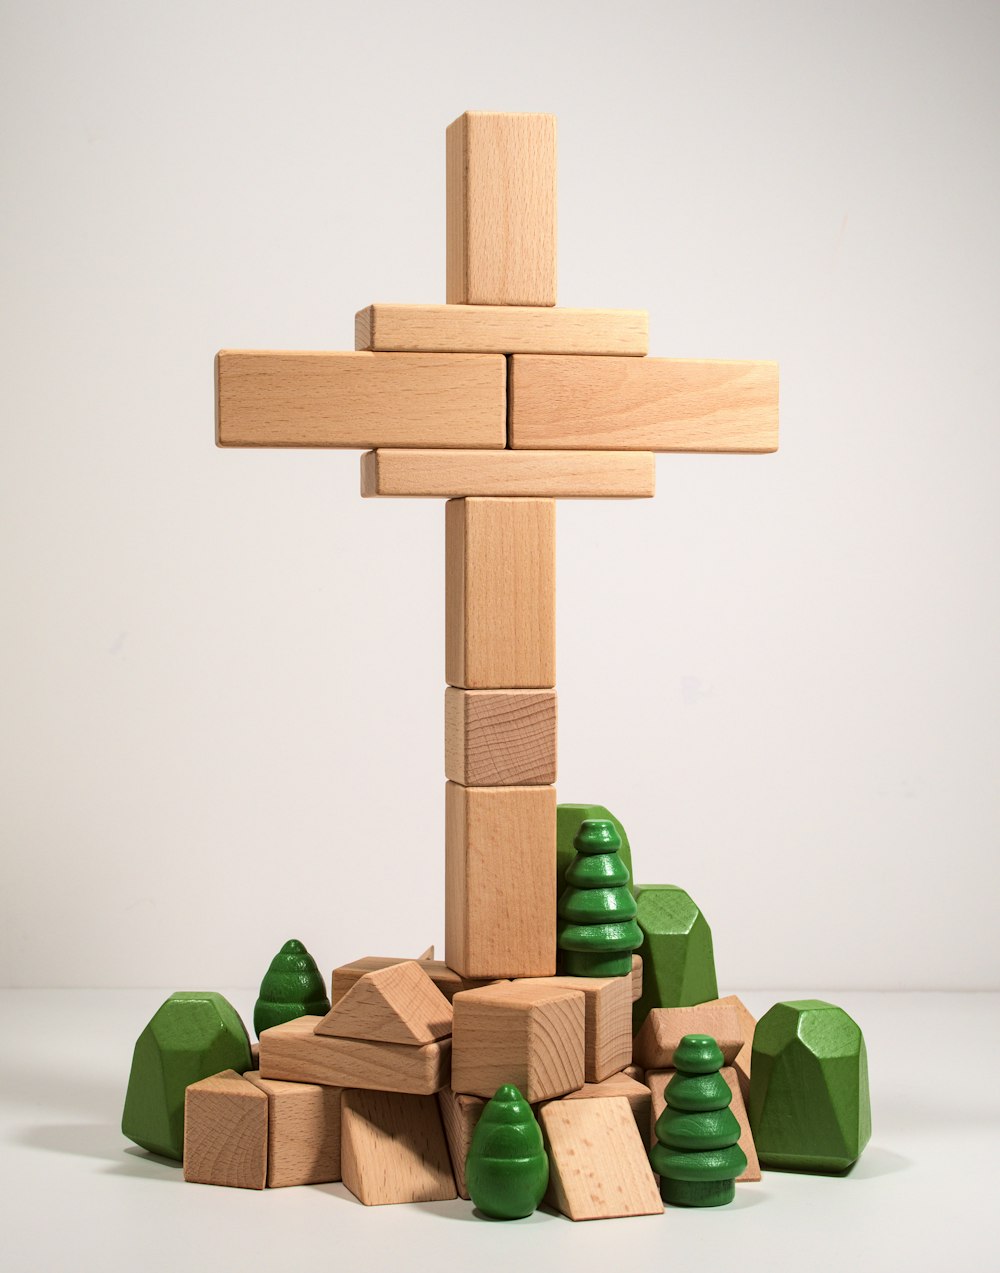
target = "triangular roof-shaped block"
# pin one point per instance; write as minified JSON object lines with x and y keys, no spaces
{"x":398,"y":1004}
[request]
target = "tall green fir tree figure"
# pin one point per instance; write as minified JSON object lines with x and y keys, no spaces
{"x":597,"y":930}
{"x":697,"y":1155}
{"x":292,"y":987}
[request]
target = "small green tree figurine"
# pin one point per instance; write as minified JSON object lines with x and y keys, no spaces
{"x":292,"y":987}
{"x":507,"y":1170}
{"x":598,"y":931}
{"x":697,"y":1155}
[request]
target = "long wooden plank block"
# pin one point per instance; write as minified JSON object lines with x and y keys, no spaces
{"x":501,"y":209}
{"x":501,"y":329}
{"x":354,"y":399}
{"x":426,"y":474}
{"x":642,"y":404}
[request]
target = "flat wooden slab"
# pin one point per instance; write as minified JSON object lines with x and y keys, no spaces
{"x":501,"y":329}
{"x":447,"y":474}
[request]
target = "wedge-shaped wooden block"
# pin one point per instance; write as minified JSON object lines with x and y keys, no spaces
{"x":295,"y":1052}
{"x":522,"y":1033}
{"x":303,"y":1132}
{"x":500,"y":738}
{"x":643,"y":404}
{"x":501,"y":329}
{"x":657,"y":1080}
{"x":446,"y":979}
{"x":664,"y":1028}
{"x":742,"y":1062}
{"x":398,"y":1004}
{"x":225,"y":1132}
{"x":501,"y":209}
{"x":598,"y":1169}
{"x":460,"y":1114}
{"x":500,"y":862}
{"x":500,"y":593}
{"x":530,"y":474}
{"x":360,"y":399}
{"x":608,"y":1021}
{"x":633,"y":1090}
{"x":394,"y":1149}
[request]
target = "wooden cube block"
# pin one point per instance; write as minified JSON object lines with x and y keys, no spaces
{"x":608,"y":1021}
{"x":664,"y":1028}
{"x":459,"y":1114}
{"x":446,"y":979}
{"x":500,"y":738}
{"x":500,"y":858}
{"x":633,"y":1090}
{"x":303,"y":1132}
{"x":520,"y":1033}
{"x":657,"y":1080}
{"x":398,"y":1004}
{"x":225,"y":1132}
{"x":394,"y":1149}
{"x":742,"y":1062}
{"x":636,"y":977}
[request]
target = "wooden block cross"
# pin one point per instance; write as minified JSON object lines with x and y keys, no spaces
{"x":499,"y":402}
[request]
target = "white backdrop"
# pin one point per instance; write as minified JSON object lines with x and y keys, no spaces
{"x":223,"y":692}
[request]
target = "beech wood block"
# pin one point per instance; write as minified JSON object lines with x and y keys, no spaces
{"x":657,"y":1080}
{"x":446,"y":979}
{"x":635,"y":1072}
{"x":633,"y":1090}
{"x":424,"y":474}
{"x":362,"y":400}
{"x":501,"y":329}
{"x":459,"y":1114}
{"x":742,"y":1062}
{"x":521,"y":1032}
{"x":303,"y":1132}
{"x":642,"y":404}
{"x":500,"y":593}
{"x":293,"y":1051}
{"x":397,"y":1004}
{"x":636,"y":977}
{"x":428,"y":954}
{"x":607,"y":1021}
{"x":500,"y":738}
{"x":664,"y":1028}
{"x":394,"y":1149}
{"x":501,"y":209}
{"x":598,"y":1168}
{"x":225,"y":1132}
{"x":500,"y":876}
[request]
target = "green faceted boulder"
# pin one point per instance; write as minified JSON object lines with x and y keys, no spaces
{"x":507,"y":1169}
{"x":569,"y":819}
{"x":678,"y":962}
{"x":292,"y":987}
{"x":809,"y":1106}
{"x":193,"y":1035}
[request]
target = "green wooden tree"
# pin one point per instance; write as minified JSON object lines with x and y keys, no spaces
{"x":507,"y":1169}
{"x":292,"y":987}
{"x":597,"y":932}
{"x":697,"y":1155}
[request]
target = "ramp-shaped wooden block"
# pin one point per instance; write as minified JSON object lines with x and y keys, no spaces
{"x":608,"y":1021}
{"x":633,"y":1090}
{"x":294,"y":1052}
{"x":303,"y":1132}
{"x":501,"y":329}
{"x":500,"y":861}
{"x":522,"y":1033}
{"x":636,"y":977}
{"x":643,"y":404}
{"x":225,"y":1132}
{"x":598,"y":1169}
{"x":501,"y":209}
{"x":664,"y":1028}
{"x":394,"y":1149}
{"x":446,"y":979}
{"x":500,"y":738}
{"x":362,"y":400}
{"x":459,"y":1114}
{"x":423,"y":474}
{"x":657,"y":1080}
{"x":398,"y":1004}
{"x":742,"y":1062}
{"x":500,"y":593}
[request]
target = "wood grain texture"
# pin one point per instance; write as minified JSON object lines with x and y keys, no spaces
{"x":446,"y":979}
{"x":500,"y":586}
{"x":657,"y":1080}
{"x":303,"y":1132}
{"x":633,"y":1090}
{"x":500,"y":738}
{"x":501,"y":209}
{"x":294,"y":1052}
{"x":742,"y":1062}
{"x":225,"y":1132}
{"x":608,"y":1021}
{"x":598,"y":1169}
{"x":500,"y":862}
{"x":394,"y":1149}
{"x":397,"y":1004}
{"x":425,"y":474}
{"x":636,"y":977}
{"x":522,"y":1033}
{"x":428,"y":954}
{"x":642,"y":404}
{"x":663,"y":1029}
{"x":361,"y":400}
{"x":459,"y":1114}
{"x":501,"y":329}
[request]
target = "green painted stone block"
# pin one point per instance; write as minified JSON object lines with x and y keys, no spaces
{"x":193,"y":1035}
{"x":678,"y":961}
{"x":569,"y":819}
{"x":809,"y":1106}
{"x":507,"y":1169}
{"x":292,"y":988}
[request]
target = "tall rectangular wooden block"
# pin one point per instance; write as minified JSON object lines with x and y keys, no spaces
{"x":500,"y":873}
{"x":500,"y":738}
{"x":500,"y":572}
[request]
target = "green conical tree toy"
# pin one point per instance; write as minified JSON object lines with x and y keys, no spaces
{"x":507,"y":1170}
{"x":697,"y":1155}
{"x":598,"y":932}
{"x":292,"y":987}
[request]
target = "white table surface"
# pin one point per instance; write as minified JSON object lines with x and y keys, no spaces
{"x":77,"y":1196}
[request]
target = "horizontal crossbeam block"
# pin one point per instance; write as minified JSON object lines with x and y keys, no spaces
{"x":501,"y":329}
{"x":642,"y":404}
{"x":360,"y":399}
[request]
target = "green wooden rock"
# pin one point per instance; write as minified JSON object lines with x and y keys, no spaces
{"x":597,"y":930}
{"x":193,"y":1035}
{"x":292,"y":987}
{"x":507,"y":1169}
{"x":569,"y":819}
{"x":678,"y":962}
{"x":697,"y":1155}
{"x":809,"y":1106}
